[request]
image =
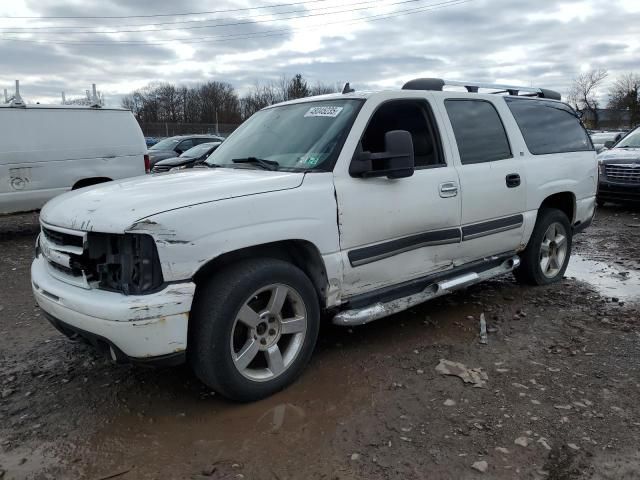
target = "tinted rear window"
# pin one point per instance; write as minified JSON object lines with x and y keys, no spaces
{"x":549,"y":127}
{"x":479,"y":132}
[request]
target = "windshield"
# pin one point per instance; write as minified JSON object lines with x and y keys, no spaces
{"x":198,"y":150}
{"x":603,"y":137}
{"x":299,"y":137}
{"x":630,"y":141}
{"x":166,"y":144}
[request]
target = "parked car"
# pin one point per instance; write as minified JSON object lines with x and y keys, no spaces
{"x":175,"y":146}
{"x":151,"y":141}
{"x":619,"y":169}
{"x":46,"y":150}
{"x":356,"y":205}
{"x":603,"y":140}
{"x":188,"y":159}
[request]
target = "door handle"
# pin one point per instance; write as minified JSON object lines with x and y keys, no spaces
{"x":513,"y":180}
{"x":448,"y":189}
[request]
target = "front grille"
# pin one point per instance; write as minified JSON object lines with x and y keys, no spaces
{"x":623,"y":173}
{"x":127,"y":263}
{"x":74,"y":272}
{"x":63,"y":250}
{"x":62,"y":239}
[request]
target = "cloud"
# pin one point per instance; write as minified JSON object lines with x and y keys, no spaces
{"x":545,"y":44}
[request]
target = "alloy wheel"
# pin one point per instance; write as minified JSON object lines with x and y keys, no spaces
{"x":553,"y":250}
{"x":268,"y":332}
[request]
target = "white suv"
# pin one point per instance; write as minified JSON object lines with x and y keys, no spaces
{"x":353,"y":205}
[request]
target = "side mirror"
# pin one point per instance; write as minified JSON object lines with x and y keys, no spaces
{"x":395,"y":162}
{"x":609,"y":144}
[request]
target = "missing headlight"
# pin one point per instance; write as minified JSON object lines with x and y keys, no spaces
{"x":126,"y":263}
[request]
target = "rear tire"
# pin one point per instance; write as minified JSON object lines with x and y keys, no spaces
{"x":253,"y":328}
{"x":546,"y":257}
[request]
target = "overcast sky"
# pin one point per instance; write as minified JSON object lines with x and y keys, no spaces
{"x":372,"y":44}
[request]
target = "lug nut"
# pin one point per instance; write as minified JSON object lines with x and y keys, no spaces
{"x":272,"y":332}
{"x":263,"y":341}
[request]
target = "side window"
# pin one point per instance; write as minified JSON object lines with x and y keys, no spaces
{"x":479,"y":132}
{"x":549,"y":127}
{"x":410,"y":115}
{"x":185,"y":145}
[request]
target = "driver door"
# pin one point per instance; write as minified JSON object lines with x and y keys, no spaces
{"x":394,"y":230}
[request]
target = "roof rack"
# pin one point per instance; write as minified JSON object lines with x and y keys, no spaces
{"x":347,"y":88}
{"x":438,"y":84}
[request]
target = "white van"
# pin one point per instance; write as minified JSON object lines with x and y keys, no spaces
{"x":46,"y":150}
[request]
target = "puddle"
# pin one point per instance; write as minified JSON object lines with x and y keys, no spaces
{"x":177,"y":431}
{"x":183,"y":436}
{"x":607,"y":280}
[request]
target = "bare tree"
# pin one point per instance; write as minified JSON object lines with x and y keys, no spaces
{"x":322,"y":89}
{"x":624,"y":94}
{"x":213,"y":101}
{"x":584,"y":92}
{"x":297,"y":87}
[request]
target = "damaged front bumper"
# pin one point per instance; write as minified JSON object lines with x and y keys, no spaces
{"x":140,"y":328}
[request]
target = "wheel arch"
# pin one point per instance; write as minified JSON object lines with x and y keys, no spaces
{"x":87,"y":182}
{"x":563,"y":201}
{"x":301,"y":253}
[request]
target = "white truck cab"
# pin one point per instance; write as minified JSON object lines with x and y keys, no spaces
{"x":46,"y":150}
{"x":354,"y":205}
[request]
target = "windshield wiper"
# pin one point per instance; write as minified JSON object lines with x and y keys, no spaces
{"x":260,"y":162}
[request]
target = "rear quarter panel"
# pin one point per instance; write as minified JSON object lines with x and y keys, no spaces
{"x":574,"y":172}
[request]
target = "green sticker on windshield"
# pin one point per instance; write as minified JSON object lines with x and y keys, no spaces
{"x":310,"y":160}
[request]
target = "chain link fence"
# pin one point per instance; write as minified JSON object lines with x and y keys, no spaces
{"x":164,"y":129}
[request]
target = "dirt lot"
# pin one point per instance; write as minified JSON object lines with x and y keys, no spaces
{"x":560,"y":402}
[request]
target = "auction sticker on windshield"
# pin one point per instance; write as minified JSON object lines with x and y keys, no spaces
{"x":323,"y":112}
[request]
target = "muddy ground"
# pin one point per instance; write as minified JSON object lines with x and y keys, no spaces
{"x":563,"y":381}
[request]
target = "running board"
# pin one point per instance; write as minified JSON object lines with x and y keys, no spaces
{"x":360,"y":316}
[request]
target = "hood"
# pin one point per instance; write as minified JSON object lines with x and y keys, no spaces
{"x":620,"y":154}
{"x":113,"y":207}
{"x":157,"y":155}
{"x":175,"y":161}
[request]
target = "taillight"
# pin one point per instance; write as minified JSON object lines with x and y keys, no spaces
{"x":147,"y":164}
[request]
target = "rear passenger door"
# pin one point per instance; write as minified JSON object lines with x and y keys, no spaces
{"x":492,"y":183}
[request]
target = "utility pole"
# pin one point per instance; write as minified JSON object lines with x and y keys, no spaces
{"x":17,"y":99}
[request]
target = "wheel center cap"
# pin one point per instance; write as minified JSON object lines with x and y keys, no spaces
{"x":267,"y":332}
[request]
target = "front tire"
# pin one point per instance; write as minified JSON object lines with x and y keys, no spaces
{"x":254,"y":326}
{"x":546,"y":257}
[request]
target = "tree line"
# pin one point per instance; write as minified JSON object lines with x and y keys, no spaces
{"x":623,"y":94}
{"x":214,"y":101}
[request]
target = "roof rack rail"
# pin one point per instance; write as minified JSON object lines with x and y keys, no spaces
{"x":438,"y":84}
